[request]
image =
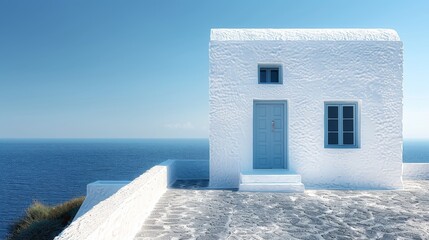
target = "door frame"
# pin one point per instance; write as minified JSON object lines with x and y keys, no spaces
{"x":286,"y":127}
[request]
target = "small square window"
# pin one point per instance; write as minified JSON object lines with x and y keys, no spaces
{"x":271,"y":74}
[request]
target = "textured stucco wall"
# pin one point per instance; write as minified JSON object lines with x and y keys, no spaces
{"x":97,"y":192}
{"x":366,"y":71}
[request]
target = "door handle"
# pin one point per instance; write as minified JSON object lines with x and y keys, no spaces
{"x":273,"y":125}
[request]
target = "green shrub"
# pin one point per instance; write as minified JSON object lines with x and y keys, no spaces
{"x":42,"y":222}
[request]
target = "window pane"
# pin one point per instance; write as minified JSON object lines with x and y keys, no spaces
{"x":348,"y":138}
{"x":332,"y":138}
{"x":332,"y":112}
{"x":347,"y":125}
{"x":347,"y":112}
{"x":332,"y":125}
{"x":263,"y":75}
{"x":275,"y":75}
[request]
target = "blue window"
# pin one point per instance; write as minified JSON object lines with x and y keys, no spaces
{"x":341,"y":125}
{"x":270,"y":74}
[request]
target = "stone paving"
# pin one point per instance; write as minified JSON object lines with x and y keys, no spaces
{"x":190,"y":211}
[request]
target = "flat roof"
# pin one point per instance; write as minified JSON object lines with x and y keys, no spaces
{"x":269,"y":34}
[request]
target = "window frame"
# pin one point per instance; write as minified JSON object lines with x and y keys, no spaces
{"x":270,"y":67}
{"x":340,"y":118}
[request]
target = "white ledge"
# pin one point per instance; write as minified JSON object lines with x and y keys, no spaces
{"x":304,"y":35}
{"x":415,"y":171}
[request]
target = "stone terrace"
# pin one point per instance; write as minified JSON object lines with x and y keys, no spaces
{"x":190,"y":211}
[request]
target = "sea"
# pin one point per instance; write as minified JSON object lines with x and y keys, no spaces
{"x":55,"y":170}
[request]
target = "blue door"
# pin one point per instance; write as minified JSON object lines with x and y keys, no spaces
{"x":269,"y":135}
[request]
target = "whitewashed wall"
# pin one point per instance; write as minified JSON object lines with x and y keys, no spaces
{"x":97,"y":192}
{"x":121,"y":215}
{"x":318,"y":66}
{"x":416,"y":171}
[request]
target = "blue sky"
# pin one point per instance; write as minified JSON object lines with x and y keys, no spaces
{"x":140,"y":68}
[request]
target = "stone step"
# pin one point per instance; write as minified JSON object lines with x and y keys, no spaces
{"x":272,"y":187}
{"x":269,"y":176}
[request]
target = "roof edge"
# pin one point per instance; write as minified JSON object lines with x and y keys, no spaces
{"x":310,"y":34}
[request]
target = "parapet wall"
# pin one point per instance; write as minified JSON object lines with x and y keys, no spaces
{"x":97,"y":192}
{"x":121,"y":215}
{"x":415,"y":171}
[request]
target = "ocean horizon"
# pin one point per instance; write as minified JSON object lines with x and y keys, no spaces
{"x":54,"y":170}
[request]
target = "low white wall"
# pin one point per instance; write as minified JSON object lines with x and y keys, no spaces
{"x":414,"y":171}
{"x":121,"y":215}
{"x":97,"y":192}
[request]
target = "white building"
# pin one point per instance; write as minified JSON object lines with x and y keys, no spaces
{"x":321,"y":106}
